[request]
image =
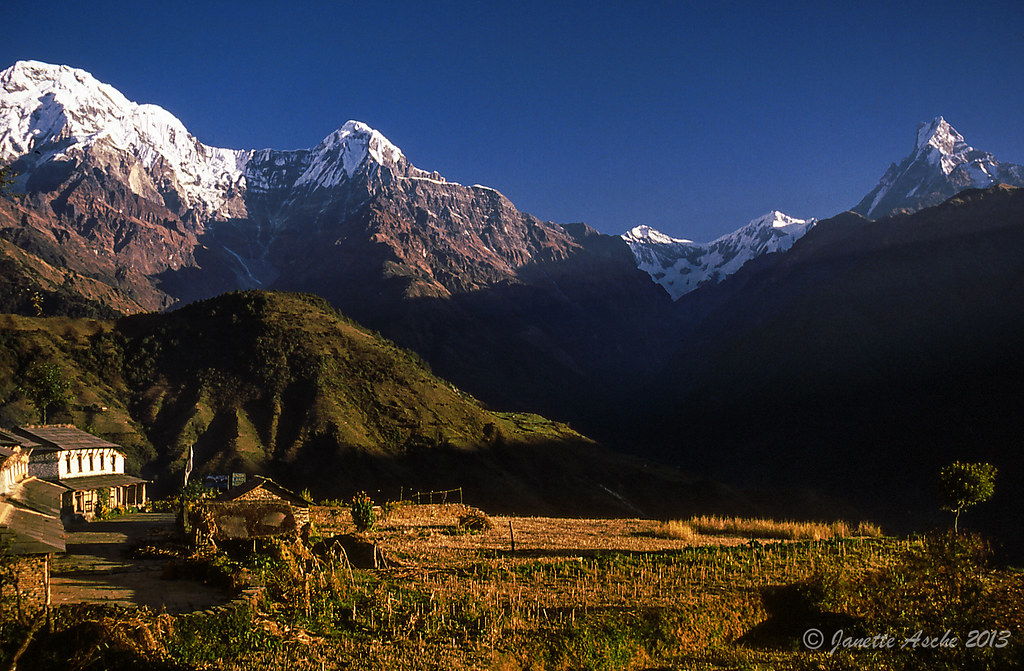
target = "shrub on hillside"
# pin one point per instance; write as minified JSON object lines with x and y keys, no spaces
{"x":363,"y":514}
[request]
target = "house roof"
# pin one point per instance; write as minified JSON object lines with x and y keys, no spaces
{"x":89,"y":482}
{"x":10,"y":439}
{"x":258,"y":481}
{"x":38,"y":495}
{"x":52,"y":437}
{"x":27,"y":532}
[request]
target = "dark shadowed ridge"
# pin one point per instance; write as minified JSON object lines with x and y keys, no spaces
{"x":863,"y":360}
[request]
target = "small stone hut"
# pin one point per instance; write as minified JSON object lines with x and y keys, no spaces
{"x":260,"y":508}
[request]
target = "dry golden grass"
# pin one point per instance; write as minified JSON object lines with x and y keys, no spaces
{"x":575,"y":594}
{"x":710,"y":525}
{"x":676,"y":530}
{"x":579,"y":593}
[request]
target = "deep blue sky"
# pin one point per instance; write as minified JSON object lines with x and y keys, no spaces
{"x":692,"y":117}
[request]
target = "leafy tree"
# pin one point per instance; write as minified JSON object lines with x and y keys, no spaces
{"x":963,"y":485}
{"x":45,"y":386}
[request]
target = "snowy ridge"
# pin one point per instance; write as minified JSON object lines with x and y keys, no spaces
{"x":941,"y":165}
{"x":680,"y":266}
{"x":55,"y":113}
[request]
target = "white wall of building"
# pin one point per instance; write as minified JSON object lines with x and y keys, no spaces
{"x":95,"y":461}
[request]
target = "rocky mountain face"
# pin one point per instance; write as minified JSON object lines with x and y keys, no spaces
{"x":124,"y":204}
{"x":941,"y":165}
{"x":891,"y":340}
{"x":130,"y":185}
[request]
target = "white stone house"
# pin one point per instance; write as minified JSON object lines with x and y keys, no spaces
{"x":86,"y":466}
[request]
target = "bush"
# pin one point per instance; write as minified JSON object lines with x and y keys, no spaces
{"x":475,"y":523}
{"x":363,"y":514}
{"x":389,"y":508}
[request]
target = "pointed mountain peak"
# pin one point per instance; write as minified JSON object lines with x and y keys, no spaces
{"x":940,"y":135}
{"x":358,"y":136}
{"x":773,"y":218}
{"x":941,"y":165}
{"x":339,"y":155}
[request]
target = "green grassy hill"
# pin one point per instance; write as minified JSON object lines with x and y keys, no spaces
{"x":281,"y":384}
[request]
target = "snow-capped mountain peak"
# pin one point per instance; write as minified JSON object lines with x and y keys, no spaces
{"x":51,"y":112}
{"x":45,"y":102}
{"x":680,"y":266}
{"x":941,"y":136}
{"x":340,"y":154}
{"x":941,"y":165}
{"x":646,"y":234}
{"x":776,"y":220}
{"x":57,"y":113}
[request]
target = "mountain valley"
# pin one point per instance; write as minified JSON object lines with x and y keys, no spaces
{"x":847,"y":357}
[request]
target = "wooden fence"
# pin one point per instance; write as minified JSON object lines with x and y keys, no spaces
{"x":441,"y":496}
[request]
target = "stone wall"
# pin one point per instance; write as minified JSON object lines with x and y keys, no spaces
{"x":44,"y":465}
{"x":331,"y":519}
{"x":24,"y":577}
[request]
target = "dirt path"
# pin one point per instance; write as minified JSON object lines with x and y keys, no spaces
{"x":97,"y":568}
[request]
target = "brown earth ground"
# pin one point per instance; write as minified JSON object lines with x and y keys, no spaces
{"x":97,"y":567}
{"x":576,"y":593}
